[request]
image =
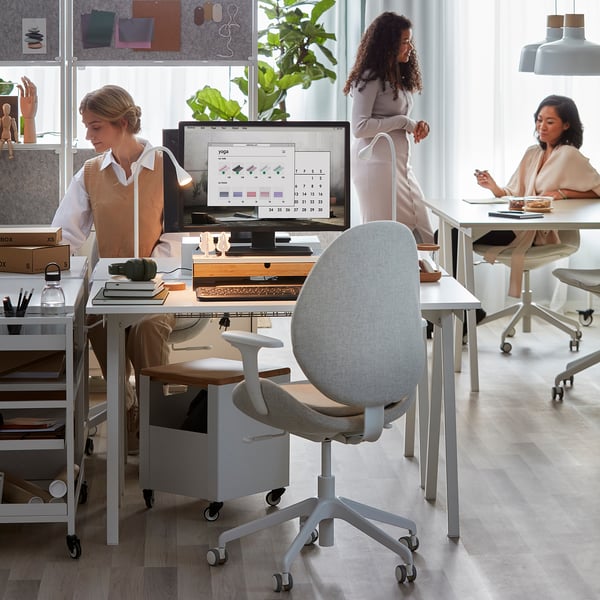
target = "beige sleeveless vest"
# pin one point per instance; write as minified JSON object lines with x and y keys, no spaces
{"x":112,"y":207}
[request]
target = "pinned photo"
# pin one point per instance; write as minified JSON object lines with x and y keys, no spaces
{"x":34,"y":36}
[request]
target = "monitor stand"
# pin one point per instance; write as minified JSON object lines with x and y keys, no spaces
{"x":263,"y":243}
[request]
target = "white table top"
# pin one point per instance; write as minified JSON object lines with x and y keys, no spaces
{"x":566,"y":214}
{"x":445,"y":294}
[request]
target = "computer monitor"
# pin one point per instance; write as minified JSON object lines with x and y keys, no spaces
{"x":260,"y":179}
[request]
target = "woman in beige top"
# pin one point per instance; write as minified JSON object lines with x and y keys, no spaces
{"x":553,"y":167}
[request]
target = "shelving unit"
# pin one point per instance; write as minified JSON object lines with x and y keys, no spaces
{"x":33,"y":199}
{"x":63,"y":397}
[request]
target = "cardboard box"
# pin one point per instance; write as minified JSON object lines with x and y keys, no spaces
{"x":28,"y":235}
{"x":33,"y":259}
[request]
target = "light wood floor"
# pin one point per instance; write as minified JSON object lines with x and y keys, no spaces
{"x":529,"y":472}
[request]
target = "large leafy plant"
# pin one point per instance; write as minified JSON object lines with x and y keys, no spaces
{"x":293,"y":45}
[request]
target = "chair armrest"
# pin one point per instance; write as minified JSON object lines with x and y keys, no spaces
{"x":249,"y":345}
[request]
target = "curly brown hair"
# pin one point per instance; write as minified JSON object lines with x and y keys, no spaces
{"x":377,"y":57}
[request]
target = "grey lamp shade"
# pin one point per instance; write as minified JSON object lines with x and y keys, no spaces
{"x":572,"y":54}
{"x":554,"y":32}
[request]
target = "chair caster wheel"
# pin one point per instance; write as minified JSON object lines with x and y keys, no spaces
{"x":273,"y":498}
{"x":406,"y":573}
{"x":410,"y":541}
{"x":211,"y":513}
{"x":282,"y":582}
{"x":574,"y":345}
{"x":314,"y":536}
{"x":216,"y":556}
{"x":558,"y":392}
{"x":148,"y":498}
{"x":506,"y":347}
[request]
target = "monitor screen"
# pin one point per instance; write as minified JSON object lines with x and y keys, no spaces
{"x":260,"y":180}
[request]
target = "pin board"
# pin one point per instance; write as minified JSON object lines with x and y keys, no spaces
{"x":30,"y":30}
{"x":163,"y":30}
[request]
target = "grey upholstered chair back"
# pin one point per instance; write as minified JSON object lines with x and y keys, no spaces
{"x":356,"y":329}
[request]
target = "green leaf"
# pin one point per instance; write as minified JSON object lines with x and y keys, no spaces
{"x":320,"y":8}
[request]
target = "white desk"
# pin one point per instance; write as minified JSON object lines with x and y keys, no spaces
{"x":439,"y":302}
{"x":473,"y":221}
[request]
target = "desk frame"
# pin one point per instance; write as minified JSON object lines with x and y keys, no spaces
{"x":473,"y":221}
{"x":440,"y":301}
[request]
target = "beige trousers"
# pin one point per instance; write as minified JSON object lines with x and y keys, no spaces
{"x":146,"y":345}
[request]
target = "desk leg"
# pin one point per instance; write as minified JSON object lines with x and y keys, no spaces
{"x":450,"y":426}
{"x":466,"y":276}
{"x":467,"y":248}
{"x":435,"y":412}
{"x":115,"y":434}
{"x":442,"y":386}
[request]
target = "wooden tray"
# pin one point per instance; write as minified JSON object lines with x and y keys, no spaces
{"x":429,"y":277}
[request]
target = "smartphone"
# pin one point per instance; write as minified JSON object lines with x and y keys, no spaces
{"x":515,"y":214}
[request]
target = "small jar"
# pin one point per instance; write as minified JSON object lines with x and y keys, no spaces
{"x":516,"y":203}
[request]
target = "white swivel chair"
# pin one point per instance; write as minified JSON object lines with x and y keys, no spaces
{"x":357,"y":336}
{"x":589,"y":280}
{"x":535,"y":257}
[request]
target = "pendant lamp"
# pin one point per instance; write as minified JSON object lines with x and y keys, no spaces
{"x":554,"y":32}
{"x":572,"y":54}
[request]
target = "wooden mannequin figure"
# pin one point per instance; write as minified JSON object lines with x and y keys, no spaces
{"x":8,"y":124}
{"x":28,"y":103}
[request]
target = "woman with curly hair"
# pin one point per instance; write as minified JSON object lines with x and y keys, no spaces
{"x":382,"y":82}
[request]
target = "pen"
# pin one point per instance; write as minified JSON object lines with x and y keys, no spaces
{"x":19,"y":300}
{"x":26,"y":300}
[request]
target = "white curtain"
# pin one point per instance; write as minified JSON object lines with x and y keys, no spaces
{"x":481,"y":107}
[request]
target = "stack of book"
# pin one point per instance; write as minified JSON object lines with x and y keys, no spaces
{"x":121,"y":290}
{"x":28,"y":249}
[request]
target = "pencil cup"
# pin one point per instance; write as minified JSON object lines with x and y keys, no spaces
{"x":15,"y":329}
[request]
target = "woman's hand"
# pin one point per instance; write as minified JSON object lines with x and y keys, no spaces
{"x":485,"y":180}
{"x":421,"y":131}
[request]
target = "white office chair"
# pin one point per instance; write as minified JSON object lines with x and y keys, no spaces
{"x":589,"y":280}
{"x":535,"y":257}
{"x":357,"y":336}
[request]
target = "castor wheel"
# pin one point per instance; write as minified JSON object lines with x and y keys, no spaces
{"x":211,"y":513}
{"x":273,"y":498}
{"x":216,"y":556}
{"x":282,"y":582}
{"x":410,"y":541}
{"x":89,"y":447}
{"x":506,"y":347}
{"x":574,"y":345}
{"x":74,"y":546}
{"x":585,"y":317}
{"x":148,"y":498}
{"x":314,"y":536}
{"x":406,"y":573}
{"x":557,"y":392}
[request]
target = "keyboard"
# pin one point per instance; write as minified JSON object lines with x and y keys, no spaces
{"x":258,"y":291}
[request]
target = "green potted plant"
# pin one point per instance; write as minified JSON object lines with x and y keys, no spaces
{"x":293,"y":45}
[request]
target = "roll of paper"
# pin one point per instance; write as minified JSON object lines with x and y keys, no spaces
{"x":58,"y":486}
{"x":30,"y":488}
{"x":15,"y":494}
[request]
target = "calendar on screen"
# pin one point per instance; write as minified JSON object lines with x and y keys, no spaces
{"x":311,"y":189}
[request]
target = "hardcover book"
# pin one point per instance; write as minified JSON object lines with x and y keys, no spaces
{"x":121,"y":292}
{"x":120,"y":282}
{"x":101,"y":298}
